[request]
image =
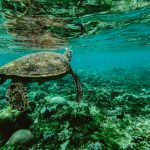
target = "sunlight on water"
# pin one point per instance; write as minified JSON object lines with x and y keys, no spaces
{"x":123,"y":47}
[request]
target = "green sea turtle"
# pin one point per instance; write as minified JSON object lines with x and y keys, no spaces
{"x":36,"y":67}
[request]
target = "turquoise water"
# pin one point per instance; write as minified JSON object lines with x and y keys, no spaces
{"x":113,"y":64}
{"x":125,"y":45}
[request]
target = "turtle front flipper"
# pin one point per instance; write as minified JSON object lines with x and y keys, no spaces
{"x":2,"y":79}
{"x":78,"y":85}
{"x":17,"y":96}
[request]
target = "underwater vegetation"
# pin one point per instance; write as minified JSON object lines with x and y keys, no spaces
{"x":112,"y":108}
{"x":113,"y":114}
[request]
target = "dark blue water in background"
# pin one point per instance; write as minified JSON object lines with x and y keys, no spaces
{"x":126,"y":45}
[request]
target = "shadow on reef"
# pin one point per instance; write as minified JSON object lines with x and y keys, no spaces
{"x":113,"y":114}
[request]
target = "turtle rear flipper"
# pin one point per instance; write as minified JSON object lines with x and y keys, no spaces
{"x":17,"y":96}
{"x":78,"y":85}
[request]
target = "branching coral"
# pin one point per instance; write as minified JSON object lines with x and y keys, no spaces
{"x":17,"y":96}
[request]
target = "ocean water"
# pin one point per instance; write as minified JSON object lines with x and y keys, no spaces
{"x":113,"y":65}
{"x":125,"y":45}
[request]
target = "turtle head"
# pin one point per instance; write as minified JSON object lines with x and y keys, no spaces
{"x":2,"y":78}
{"x":68,"y":53}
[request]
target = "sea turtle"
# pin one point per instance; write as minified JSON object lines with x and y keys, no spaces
{"x":36,"y":67}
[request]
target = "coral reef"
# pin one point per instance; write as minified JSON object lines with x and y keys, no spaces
{"x":16,"y":96}
{"x":20,"y":137}
{"x":115,"y":109}
{"x":8,"y":119}
{"x":113,"y":114}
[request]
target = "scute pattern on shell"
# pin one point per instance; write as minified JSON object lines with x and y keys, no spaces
{"x":38,"y":65}
{"x":17,"y":96}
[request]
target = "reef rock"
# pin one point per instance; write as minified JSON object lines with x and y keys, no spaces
{"x":56,"y":100}
{"x":20,"y":137}
{"x":8,"y":120}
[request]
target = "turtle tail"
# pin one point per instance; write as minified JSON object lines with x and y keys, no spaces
{"x":17,"y":96}
{"x":78,"y":85}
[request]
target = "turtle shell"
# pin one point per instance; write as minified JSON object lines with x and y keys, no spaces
{"x":41,"y":64}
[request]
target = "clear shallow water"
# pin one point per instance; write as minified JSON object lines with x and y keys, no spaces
{"x":125,"y":45}
{"x":114,"y":111}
